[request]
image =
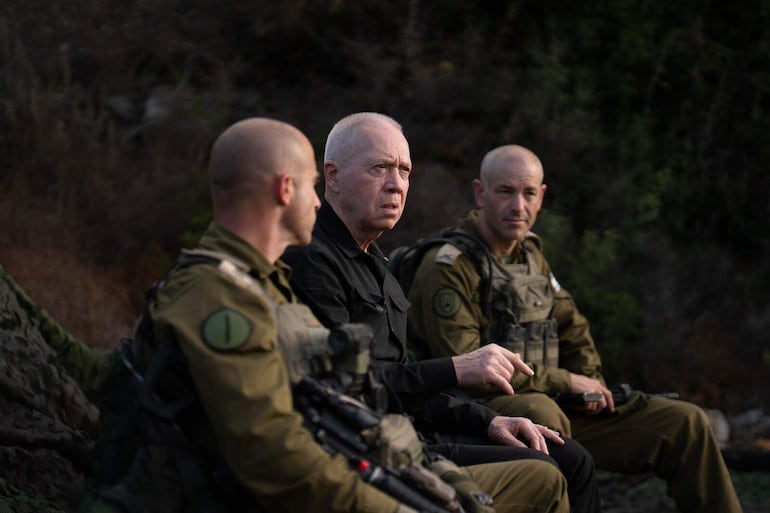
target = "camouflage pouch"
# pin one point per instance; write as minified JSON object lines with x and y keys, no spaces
{"x":430,"y":481}
{"x":395,"y":442}
{"x":472,"y":498}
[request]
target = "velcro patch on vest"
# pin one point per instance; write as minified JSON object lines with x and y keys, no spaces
{"x":446,"y":302}
{"x":555,"y":284}
{"x":447,"y":254}
{"x":226,"y":329}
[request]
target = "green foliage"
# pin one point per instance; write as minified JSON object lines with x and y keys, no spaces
{"x":752,"y":488}
{"x":587,"y":266}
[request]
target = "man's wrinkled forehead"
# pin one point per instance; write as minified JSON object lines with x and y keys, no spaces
{"x":382,"y":141}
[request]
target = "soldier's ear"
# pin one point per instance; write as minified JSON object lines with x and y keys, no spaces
{"x":478,"y":192}
{"x":332,"y":175}
{"x":283,"y":187}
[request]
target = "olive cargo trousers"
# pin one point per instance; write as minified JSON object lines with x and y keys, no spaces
{"x":669,"y":437}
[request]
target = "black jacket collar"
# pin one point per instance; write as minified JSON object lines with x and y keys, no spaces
{"x":331,"y":227}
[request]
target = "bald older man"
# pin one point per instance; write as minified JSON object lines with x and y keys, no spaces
{"x":525,"y":308}
{"x":209,"y":345}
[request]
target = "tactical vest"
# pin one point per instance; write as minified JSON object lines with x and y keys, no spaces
{"x":518,"y":302}
{"x":521,"y":305}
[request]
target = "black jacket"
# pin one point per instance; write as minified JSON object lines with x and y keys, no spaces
{"x":341,"y":284}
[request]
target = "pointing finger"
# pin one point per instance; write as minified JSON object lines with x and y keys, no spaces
{"x":519,"y":364}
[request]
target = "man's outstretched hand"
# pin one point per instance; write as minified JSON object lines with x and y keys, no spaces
{"x":489,"y":365}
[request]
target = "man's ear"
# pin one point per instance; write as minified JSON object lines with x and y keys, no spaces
{"x":478,"y":192}
{"x":283,"y":186}
{"x":332,"y":175}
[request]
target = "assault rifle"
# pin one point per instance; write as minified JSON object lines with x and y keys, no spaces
{"x":329,"y":374}
{"x":337,"y":420}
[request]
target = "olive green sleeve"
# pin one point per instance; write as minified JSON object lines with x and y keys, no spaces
{"x":446,"y":318}
{"x":87,"y":365}
{"x":246,"y":395}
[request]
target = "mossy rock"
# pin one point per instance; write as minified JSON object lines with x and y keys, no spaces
{"x":48,"y":424}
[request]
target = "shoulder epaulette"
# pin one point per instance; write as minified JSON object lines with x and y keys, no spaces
{"x":447,"y":254}
{"x":235,"y":270}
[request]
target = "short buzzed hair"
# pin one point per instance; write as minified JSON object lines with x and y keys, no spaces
{"x":250,"y":151}
{"x":342,"y":141}
{"x":508,"y":154}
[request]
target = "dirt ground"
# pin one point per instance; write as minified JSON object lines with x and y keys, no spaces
{"x":647,"y":494}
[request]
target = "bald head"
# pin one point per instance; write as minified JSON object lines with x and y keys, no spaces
{"x":509,"y":193}
{"x":252,"y":151}
{"x":263,"y":174}
{"x":352,"y":134}
{"x":504,"y":158}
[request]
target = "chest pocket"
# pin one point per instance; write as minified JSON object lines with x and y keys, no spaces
{"x":530,"y":295}
{"x":398,"y":305}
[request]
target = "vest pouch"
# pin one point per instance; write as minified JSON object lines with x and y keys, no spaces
{"x":472,"y":499}
{"x":302,"y":342}
{"x":536,"y":342}
{"x":526,"y":341}
{"x":551,"y":337}
{"x":394,"y":442}
{"x":533,"y":348}
{"x":514,"y":338}
{"x":430,"y":481}
{"x":531,"y":297}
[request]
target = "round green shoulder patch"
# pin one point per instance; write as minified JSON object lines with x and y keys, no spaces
{"x":226,"y":329}
{"x":446,"y":302}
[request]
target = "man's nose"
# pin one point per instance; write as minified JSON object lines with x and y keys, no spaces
{"x":395,"y":182}
{"x":517,"y":202}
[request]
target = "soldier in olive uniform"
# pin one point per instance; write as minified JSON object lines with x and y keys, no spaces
{"x":223,"y":318}
{"x":521,"y":305}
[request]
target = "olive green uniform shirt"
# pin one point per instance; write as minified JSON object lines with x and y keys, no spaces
{"x":228,"y":335}
{"x":446,"y":316}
